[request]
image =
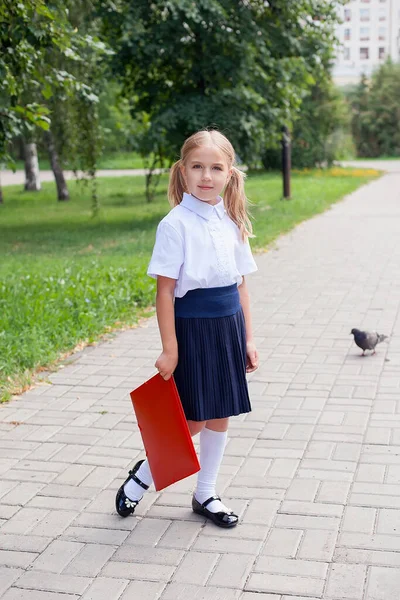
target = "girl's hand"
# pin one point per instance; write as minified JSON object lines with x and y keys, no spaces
{"x":166,"y":364}
{"x":252,"y":357}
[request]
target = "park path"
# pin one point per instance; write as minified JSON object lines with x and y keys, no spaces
{"x":314,"y":470}
{"x":10,"y":178}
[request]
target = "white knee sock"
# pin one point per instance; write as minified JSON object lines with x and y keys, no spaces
{"x":132,"y":489}
{"x":212,"y":446}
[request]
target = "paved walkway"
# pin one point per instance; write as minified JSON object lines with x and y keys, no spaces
{"x":314,"y":470}
{"x":391,"y":166}
{"x":10,"y":178}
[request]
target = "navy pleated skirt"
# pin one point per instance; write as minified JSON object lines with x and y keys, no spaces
{"x":211,"y":371}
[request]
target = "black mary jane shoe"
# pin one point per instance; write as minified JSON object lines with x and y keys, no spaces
{"x":222,"y":519}
{"x":123,"y":504}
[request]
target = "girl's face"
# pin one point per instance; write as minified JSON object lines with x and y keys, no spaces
{"x":206,"y":173}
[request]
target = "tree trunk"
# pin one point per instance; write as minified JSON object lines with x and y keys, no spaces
{"x":32,"y":181}
{"x":62,"y":189}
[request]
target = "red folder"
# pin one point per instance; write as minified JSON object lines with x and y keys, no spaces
{"x":165,"y":433}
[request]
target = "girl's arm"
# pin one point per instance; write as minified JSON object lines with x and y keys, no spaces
{"x":251,"y":350}
{"x":168,"y":359}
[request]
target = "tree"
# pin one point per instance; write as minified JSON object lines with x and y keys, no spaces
{"x":320,"y":132}
{"x":38,"y":48}
{"x":376,"y":112}
{"x":27,"y":30}
{"x":358,"y":99}
{"x":75,"y":135}
{"x":242,"y":66}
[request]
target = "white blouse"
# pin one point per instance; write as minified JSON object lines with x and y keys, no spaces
{"x":201,"y":247}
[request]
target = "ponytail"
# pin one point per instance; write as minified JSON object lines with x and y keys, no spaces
{"x":236,"y":203}
{"x":176,"y":186}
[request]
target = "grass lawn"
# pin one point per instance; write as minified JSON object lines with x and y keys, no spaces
{"x":118,"y":160}
{"x":66,"y":278}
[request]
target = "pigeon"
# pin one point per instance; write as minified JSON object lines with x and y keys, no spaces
{"x":367,"y":340}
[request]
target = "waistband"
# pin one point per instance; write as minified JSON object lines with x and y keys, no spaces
{"x":208,"y":302}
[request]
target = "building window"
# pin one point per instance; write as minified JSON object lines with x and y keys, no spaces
{"x":382,"y":33}
{"x":346,"y":53}
{"x":364,"y":53}
{"x":364,"y":34}
{"x":347,"y":34}
{"x":347,"y":14}
{"x":382,"y":53}
{"x":382,"y":14}
{"x":364,"y":14}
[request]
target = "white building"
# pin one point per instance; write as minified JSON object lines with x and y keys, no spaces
{"x":368,"y":34}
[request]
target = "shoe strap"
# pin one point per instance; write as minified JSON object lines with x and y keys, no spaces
{"x":137,"y":480}
{"x":209,"y":500}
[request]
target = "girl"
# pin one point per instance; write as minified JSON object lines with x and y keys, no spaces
{"x":200,"y":258}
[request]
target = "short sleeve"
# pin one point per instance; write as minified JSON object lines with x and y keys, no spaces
{"x":245,"y":262}
{"x":168,"y":253}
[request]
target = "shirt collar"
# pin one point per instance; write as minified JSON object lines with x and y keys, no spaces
{"x":203,"y":209}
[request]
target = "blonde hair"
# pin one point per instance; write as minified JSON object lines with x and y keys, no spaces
{"x":235,"y":200}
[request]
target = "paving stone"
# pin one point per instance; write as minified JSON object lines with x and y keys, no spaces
{"x":367,"y":557}
{"x":11,"y":558}
{"x":243,"y":531}
{"x":257,"y":596}
{"x":196,"y":568}
{"x":303,"y":489}
{"x":54,"y":523}
{"x":182,"y":591}
{"x":373,"y":473}
{"x":74,"y":474}
{"x":283,"y":542}
{"x":8,"y":576}
{"x":148,"y":532}
{"x":104,"y":588}
{"x":22,"y":493}
{"x":146,"y":554}
{"x":290,"y":567}
{"x":346,"y":581}
{"x":54,"y":582}
{"x":95,"y":536}
{"x":68,"y":504}
{"x":311,"y":508}
{"x":24,"y":520}
{"x":370,"y":542}
{"x":221,"y":544}
{"x":231,"y":571}
{"x":147,"y":572}
{"x":359,"y":519}
{"x":261,"y":512}
{"x":21,"y":543}
{"x":317,"y":545}
{"x":307,"y":522}
{"x":282,"y":584}
{"x":90,"y":560}
{"x":335,"y":492}
{"x":20,"y":594}
{"x":57,"y":556}
{"x":383,"y":583}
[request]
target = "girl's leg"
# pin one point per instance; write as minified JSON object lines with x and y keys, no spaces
{"x":212,"y":445}
{"x":132,"y":489}
{"x":196,"y":426}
